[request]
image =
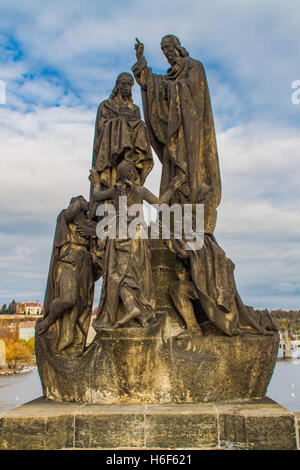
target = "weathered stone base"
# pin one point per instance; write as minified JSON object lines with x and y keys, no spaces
{"x":137,"y":365}
{"x":42,"y":424}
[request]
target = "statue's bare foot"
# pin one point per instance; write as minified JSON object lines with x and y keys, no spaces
{"x":135,"y":312}
{"x":42,"y":327}
{"x":146,"y":319}
{"x":190,"y":333}
{"x":152,"y":319}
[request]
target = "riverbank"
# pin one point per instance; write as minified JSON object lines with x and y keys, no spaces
{"x":4,"y":371}
{"x":20,"y":388}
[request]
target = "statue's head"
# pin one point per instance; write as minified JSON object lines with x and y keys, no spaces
{"x":126,"y":170}
{"x":123,"y":86}
{"x":82,"y":201}
{"x":172,"y":48}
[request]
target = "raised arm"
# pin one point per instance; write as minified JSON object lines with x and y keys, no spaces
{"x":165,"y":198}
{"x":149,"y":197}
{"x":103,"y":194}
{"x":139,"y":50}
{"x":140,"y":67}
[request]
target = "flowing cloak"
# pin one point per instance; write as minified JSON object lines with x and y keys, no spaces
{"x":126,"y":263}
{"x":120,"y":130}
{"x":72,"y":327}
{"x":178,"y":114}
{"x":213,"y":277}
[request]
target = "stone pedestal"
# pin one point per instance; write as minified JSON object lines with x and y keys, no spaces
{"x":150,"y":365}
{"x":255,"y":424}
{"x":144,"y":365}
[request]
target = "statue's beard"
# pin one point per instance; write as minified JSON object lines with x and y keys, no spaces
{"x":173,"y":60}
{"x":125,"y":96}
{"x":116,"y":94}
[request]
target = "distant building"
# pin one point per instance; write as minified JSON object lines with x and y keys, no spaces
{"x":29,"y":308}
{"x":26,"y":330}
{"x":20,"y":308}
{"x":91,"y":332}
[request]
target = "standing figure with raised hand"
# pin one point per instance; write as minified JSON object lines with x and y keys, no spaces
{"x":179,"y":118}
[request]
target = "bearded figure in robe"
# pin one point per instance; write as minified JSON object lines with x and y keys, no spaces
{"x":179,"y":118}
{"x":120,"y":134}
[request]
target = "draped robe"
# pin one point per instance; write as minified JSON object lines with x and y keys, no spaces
{"x":70,"y":259}
{"x":212,"y":274}
{"x":120,"y":133}
{"x":178,"y":115}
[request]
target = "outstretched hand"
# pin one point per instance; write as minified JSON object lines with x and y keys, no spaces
{"x":86,"y":229}
{"x":139,"y":49}
{"x":176,"y":182}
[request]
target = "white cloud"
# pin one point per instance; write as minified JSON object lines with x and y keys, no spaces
{"x":284,"y":287}
{"x":255,"y":43}
{"x":41,"y":90}
{"x":250,"y":51}
{"x":46,"y":156}
{"x":258,"y":218}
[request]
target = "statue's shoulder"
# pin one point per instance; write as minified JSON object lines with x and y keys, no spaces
{"x":107,"y":108}
{"x":195,"y":63}
{"x":109,"y":103}
{"x":193,"y":67}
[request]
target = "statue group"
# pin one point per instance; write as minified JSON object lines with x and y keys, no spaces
{"x":160,"y":301}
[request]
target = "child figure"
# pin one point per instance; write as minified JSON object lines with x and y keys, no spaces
{"x":127,"y":271}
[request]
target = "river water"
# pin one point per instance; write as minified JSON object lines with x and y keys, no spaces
{"x":283,"y":388}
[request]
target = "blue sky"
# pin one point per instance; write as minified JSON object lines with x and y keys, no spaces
{"x":60,"y":59}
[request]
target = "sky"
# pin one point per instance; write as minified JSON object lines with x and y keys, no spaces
{"x":60,"y":59}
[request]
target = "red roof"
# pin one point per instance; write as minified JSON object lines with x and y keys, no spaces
{"x":27,"y":324}
{"x":31,"y":304}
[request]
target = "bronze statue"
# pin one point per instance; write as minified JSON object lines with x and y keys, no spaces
{"x":207,"y":276}
{"x":179,"y":118}
{"x":127,"y":271}
{"x":120,"y":134}
{"x":178,"y":115}
{"x":70,"y":286}
{"x":148,"y":346}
